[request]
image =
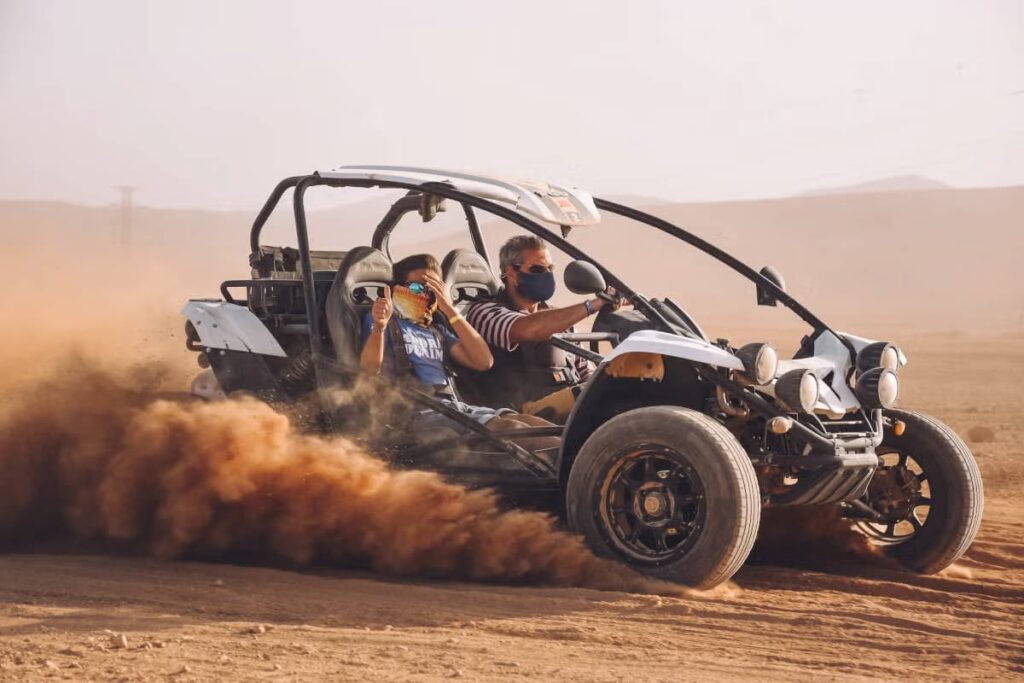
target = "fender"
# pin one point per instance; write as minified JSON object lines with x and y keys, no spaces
{"x":664,"y":344}
{"x":231,"y":327}
{"x":584,"y":419}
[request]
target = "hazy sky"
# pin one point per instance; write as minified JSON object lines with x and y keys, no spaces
{"x":208,"y":104}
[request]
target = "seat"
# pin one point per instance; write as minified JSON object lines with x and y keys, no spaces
{"x":468,"y":277}
{"x":361,"y":278}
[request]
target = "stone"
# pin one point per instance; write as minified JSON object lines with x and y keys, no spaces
{"x":981,"y":434}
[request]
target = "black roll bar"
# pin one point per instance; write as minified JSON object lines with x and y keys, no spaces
{"x":474,"y":232}
{"x":448,"y":192}
{"x":728,"y":259}
{"x":264,"y":214}
{"x":316,"y":340}
{"x":410,"y":202}
{"x":382,"y":233}
{"x":469,"y":201}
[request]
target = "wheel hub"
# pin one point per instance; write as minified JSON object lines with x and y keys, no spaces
{"x":654,"y":504}
{"x":893,"y":492}
{"x":898,"y":491}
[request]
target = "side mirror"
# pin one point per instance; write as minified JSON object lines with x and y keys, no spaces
{"x":583,"y":277}
{"x":766,"y":297}
{"x":430,"y":206}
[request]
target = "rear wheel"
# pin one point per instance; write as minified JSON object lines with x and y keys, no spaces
{"x":927,"y":493}
{"x":668,"y":491}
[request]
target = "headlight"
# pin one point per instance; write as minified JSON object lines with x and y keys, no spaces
{"x":879,"y":355}
{"x":878,"y":388}
{"x":798,"y":389}
{"x":760,"y":362}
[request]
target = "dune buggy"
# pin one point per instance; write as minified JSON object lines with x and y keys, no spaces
{"x":676,"y":441}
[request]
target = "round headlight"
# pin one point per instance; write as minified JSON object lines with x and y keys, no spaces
{"x":890,"y":359}
{"x":760,"y":362}
{"x":878,"y":355}
{"x":878,"y":388}
{"x":798,"y":389}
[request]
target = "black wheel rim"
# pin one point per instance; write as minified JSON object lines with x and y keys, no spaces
{"x":900,"y":493}
{"x":652,"y":504}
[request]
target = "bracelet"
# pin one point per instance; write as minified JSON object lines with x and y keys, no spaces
{"x":589,"y":306}
{"x":374,"y":328}
{"x":455,"y":318}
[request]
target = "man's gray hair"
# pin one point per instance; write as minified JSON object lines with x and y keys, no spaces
{"x":512,"y":251}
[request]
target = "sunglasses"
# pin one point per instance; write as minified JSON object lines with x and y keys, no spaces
{"x":535,"y":269}
{"x":416,"y":287}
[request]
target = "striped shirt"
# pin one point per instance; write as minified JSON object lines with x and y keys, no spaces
{"x":494,"y":323}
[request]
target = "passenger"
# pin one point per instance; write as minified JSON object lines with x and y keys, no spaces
{"x":418,"y":293}
{"x":529,"y":373}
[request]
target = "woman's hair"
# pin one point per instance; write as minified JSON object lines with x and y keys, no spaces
{"x":415,"y":262}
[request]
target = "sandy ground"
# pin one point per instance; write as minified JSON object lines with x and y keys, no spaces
{"x":63,"y":614}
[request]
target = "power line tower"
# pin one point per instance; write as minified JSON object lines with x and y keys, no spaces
{"x":127,"y":204}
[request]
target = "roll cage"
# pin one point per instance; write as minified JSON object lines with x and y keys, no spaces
{"x":470,"y":201}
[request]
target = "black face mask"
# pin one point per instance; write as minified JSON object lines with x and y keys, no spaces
{"x":536,"y":286}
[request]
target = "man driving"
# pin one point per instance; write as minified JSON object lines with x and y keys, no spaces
{"x":529,"y":373}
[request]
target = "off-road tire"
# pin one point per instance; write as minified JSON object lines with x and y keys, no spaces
{"x":731,"y":496}
{"x":955,"y":487}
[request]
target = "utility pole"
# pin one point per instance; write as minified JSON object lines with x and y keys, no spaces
{"x":125,"y":235}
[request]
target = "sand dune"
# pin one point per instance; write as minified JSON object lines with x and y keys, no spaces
{"x":906,"y":258}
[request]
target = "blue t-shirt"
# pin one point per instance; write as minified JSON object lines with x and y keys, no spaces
{"x":426,"y":347}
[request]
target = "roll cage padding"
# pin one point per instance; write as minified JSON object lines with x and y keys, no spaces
{"x":363,"y":269}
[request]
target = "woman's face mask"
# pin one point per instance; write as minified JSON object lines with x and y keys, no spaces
{"x":414,"y":302}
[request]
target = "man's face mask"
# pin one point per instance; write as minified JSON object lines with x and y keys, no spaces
{"x":414,"y":302}
{"x":536,"y":283}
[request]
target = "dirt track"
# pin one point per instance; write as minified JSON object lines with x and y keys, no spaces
{"x":188,"y":620}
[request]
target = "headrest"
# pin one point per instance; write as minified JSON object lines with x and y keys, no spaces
{"x":363,"y":272}
{"x":468,"y":276}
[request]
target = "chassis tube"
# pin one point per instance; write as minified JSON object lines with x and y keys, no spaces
{"x":264,"y":214}
{"x":316,"y":341}
{"x":739,"y":266}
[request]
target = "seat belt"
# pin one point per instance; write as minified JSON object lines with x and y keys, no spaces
{"x":403,"y":366}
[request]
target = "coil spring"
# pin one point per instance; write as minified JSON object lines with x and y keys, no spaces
{"x":298,"y":375}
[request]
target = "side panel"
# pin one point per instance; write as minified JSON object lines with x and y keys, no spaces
{"x":231,"y":327}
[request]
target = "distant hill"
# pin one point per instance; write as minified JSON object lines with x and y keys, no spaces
{"x":940,"y":260}
{"x":903,"y":183}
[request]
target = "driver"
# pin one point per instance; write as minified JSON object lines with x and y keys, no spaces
{"x":417,"y":294}
{"x":529,"y":373}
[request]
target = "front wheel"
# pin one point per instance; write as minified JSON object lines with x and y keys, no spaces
{"x":668,"y":491}
{"x":927,"y":493}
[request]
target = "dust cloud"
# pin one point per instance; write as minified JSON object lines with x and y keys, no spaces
{"x":811,"y":537}
{"x":94,"y":453}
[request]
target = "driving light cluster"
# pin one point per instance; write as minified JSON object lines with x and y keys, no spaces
{"x":798,"y":389}
{"x":878,"y":388}
{"x":875,"y":382}
{"x":878,"y":355}
{"x":760,"y":362}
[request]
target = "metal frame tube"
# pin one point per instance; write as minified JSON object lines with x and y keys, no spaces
{"x":724,"y":257}
{"x":316,"y":340}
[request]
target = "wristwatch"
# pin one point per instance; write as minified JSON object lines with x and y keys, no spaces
{"x":589,"y":306}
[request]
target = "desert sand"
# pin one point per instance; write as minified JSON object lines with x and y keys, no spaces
{"x":74,"y":609}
